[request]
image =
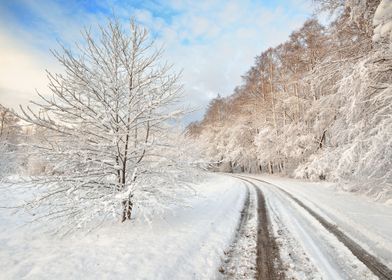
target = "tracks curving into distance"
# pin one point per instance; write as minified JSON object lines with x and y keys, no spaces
{"x":370,"y":261}
{"x":268,"y":262}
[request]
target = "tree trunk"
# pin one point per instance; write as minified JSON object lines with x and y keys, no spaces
{"x":271,"y":168}
{"x":127,"y":209}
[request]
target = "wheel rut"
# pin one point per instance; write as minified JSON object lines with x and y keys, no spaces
{"x":373,"y":264}
{"x":268,"y":263}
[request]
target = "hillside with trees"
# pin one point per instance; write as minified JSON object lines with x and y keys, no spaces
{"x":317,"y":106}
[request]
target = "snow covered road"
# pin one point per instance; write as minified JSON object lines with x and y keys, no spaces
{"x":314,"y":244}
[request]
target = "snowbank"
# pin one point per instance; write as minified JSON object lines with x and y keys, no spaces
{"x":187,"y":243}
{"x":382,"y":21}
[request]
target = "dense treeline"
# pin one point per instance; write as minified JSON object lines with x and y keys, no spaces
{"x":317,"y":106}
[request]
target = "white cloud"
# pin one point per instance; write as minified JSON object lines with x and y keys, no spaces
{"x":213,"y":42}
{"x":232,"y":34}
{"x":21,"y":71}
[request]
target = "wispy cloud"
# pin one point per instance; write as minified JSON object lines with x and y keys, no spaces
{"x":214,"y":42}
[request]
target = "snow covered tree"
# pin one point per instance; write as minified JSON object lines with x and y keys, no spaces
{"x":10,"y":132}
{"x":103,"y":127}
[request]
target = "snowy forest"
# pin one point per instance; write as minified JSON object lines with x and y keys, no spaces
{"x":317,"y":106}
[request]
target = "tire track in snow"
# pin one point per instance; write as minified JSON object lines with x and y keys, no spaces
{"x":239,"y":262}
{"x":268,"y":261}
{"x":374,"y":265}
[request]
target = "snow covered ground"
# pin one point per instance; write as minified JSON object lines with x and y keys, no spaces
{"x":195,"y":242}
{"x":302,"y":238}
{"x":187,"y":243}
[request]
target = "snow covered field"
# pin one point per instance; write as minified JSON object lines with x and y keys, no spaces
{"x":187,"y":243}
{"x":193,"y":241}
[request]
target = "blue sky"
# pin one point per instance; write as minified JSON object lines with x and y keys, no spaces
{"x":213,"y":42}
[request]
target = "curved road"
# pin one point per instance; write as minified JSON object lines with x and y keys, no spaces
{"x":296,"y":242}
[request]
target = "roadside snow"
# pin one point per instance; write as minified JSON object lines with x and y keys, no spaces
{"x":187,"y":243}
{"x":382,"y":21}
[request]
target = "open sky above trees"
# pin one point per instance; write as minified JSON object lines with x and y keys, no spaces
{"x":213,"y":42}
